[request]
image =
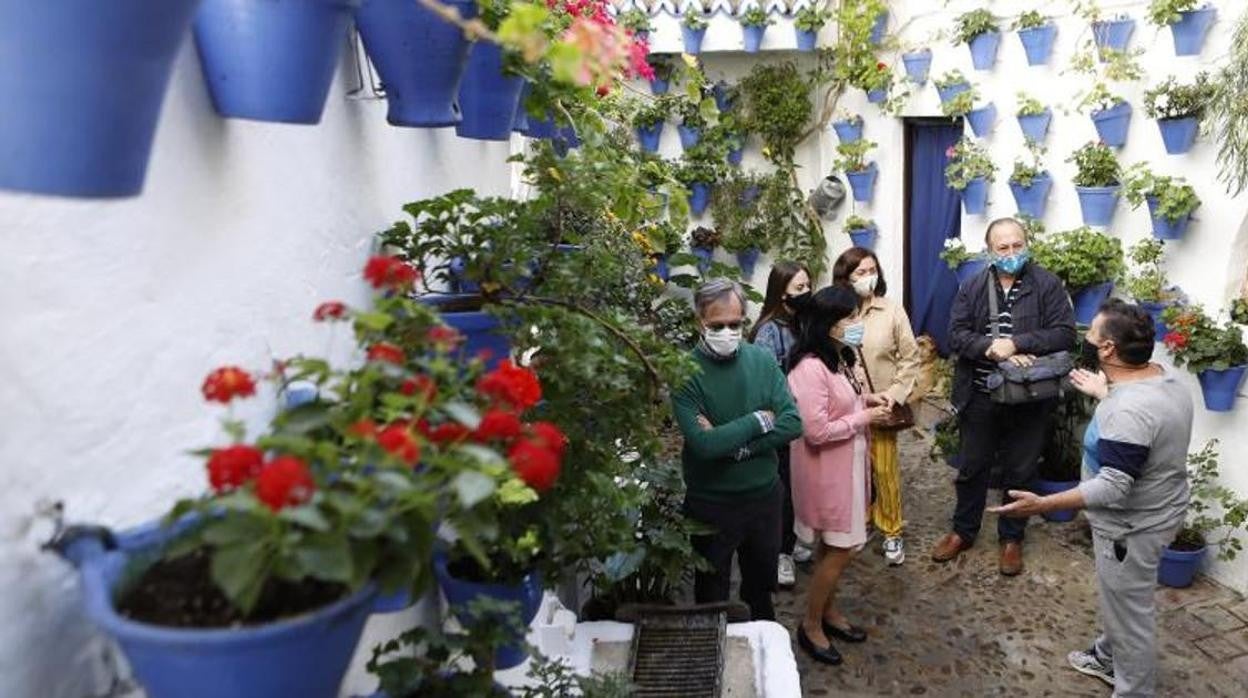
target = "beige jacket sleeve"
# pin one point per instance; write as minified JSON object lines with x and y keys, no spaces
{"x":906,"y":356}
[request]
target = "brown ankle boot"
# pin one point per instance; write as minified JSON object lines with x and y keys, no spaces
{"x":1011,"y":558}
{"x":948,"y":547}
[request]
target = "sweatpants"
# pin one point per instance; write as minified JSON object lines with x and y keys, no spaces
{"x":886,"y":478}
{"x":750,"y":528}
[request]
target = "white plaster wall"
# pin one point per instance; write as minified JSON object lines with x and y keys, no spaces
{"x":115,"y":310}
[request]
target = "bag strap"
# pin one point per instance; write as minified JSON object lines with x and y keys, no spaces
{"x":862,"y":361}
{"x":994,"y":315}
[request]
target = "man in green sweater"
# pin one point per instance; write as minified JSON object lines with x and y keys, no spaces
{"x":734,"y":414}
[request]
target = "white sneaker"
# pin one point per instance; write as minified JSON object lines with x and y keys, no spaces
{"x":894,"y":551}
{"x":786,"y":576}
{"x":1088,"y":663}
{"x":801,"y":553}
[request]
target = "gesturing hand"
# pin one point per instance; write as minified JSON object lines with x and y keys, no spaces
{"x":1091,"y":384}
{"x":1024,"y":504}
{"x":705,"y":423}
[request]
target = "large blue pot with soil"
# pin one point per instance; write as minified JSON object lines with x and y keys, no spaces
{"x":81,"y":86}
{"x":482,"y":331}
{"x":1219,"y":388}
{"x":271,"y":61}
{"x":419,"y":56}
{"x":1178,"y":568}
{"x":1038,"y":43}
{"x":488,"y":95}
{"x":1033,"y":198}
{"x":460,"y":592}
{"x":1047,"y":487}
{"x":747,"y":259}
{"x":1088,"y":301}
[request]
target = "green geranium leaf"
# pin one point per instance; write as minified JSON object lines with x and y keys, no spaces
{"x":239,"y":571}
{"x":473,"y":487}
{"x":326,"y":557}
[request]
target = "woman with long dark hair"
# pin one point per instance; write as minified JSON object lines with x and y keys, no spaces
{"x":830,"y":473}
{"x":788,"y":290}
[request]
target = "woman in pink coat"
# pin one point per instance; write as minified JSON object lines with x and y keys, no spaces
{"x":831,"y":473}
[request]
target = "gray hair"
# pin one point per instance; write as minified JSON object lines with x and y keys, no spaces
{"x":715,"y":290}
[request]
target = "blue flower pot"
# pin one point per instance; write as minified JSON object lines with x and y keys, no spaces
{"x":305,"y":655}
{"x":692,"y":39}
{"x":699,"y":197}
{"x":951,"y":91}
{"x":420,"y":58}
{"x":1177,"y":568}
{"x":1155,"y":310}
{"x":806,"y":39}
{"x":460,"y":593}
{"x":1179,"y":134}
{"x":1038,"y":43}
{"x":969,"y":269}
{"x":747,"y":259}
{"x":863,"y":183}
{"x":1113,"y":34}
{"x":848,"y":131}
{"x":1189,"y":32}
{"x":984,"y":50}
{"x":753,"y":38}
{"x":1035,"y":127}
{"x":864,"y":237}
{"x":649,"y":138}
{"x":1097,"y":204}
{"x":975,"y":196}
{"x":1220,"y":387}
{"x":1032,"y":200}
{"x":880,"y":26}
{"x":982,"y":120}
{"x":877,"y":96}
{"x":481,"y":330}
{"x":1088,"y":301}
{"x":659,"y":86}
{"x":271,"y":61}
{"x":488,"y":96}
{"x":723,"y":98}
{"x":1164,"y":228}
{"x":1112,"y":124}
{"x":689,"y":135}
{"x":81,"y":85}
{"x":735,"y":155}
{"x":1047,"y":487}
{"x":918,"y":65}
{"x":704,"y":258}
{"x":660,"y":267}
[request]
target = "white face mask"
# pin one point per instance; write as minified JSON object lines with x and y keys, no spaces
{"x":723,"y":342}
{"x":865,"y":286}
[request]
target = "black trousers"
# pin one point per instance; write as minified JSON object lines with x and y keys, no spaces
{"x":747,"y":528}
{"x":788,"y":538}
{"x":1015,"y":435}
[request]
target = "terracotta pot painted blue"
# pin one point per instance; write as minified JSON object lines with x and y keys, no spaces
{"x":481,"y":331}
{"x":848,"y":131}
{"x":753,"y":38}
{"x":660,"y":267}
{"x":699,"y":198}
{"x":692,"y":39}
{"x":968,"y":269}
{"x":806,"y":39}
{"x":1179,"y":134}
{"x":984,"y":50}
{"x":704,"y":258}
{"x":650,"y":137}
{"x":863,"y":183}
{"x":1047,"y":487}
{"x":950,"y":91}
{"x":747,"y":260}
{"x":864,"y":237}
{"x":918,"y":65}
{"x":1113,"y":34}
{"x":877,"y":96}
{"x":1038,"y":43}
{"x":735,"y":155}
{"x":880,"y":26}
{"x":1097,"y":204}
{"x":1088,"y":300}
{"x":1178,"y":568}
{"x":420,"y":58}
{"x":488,"y":95}
{"x":271,"y":61}
{"x":982,"y":120}
{"x":689,"y":135}
{"x":1164,"y":228}
{"x":81,"y":86}
{"x":1155,"y":310}
{"x":1112,"y":124}
{"x":1189,"y":32}
{"x":660,"y":86}
{"x":975,"y":196}
{"x":1032,"y":200}
{"x":1220,"y":387}
{"x":460,"y":593}
{"x":1035,"y":127}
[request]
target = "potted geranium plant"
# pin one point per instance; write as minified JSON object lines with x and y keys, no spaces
{"x":648,"y":122}
{"x":1216,"y":354}
{"x":1033,"y":118}
{"x":860,"y":173}
{"x":692,"y":31}
{"x":754,"y":22}
{"x":1147,"y":283}
{"x":690,"y":121}
{"x":951,"y":84}
{"x":1110,"y":114}
{"x":1189,"y":22}
{"x":1087,"y":261}
{"x":875,"y":80}
{"x":703,"y":241}
{"x":1216,"y":514}
{"x":663,"y":68}
{"x":918,"y":64}
{"x":806,"y":23}
{"x":969,"y":171}
{"x":1171,"y":200}
{"x":978,"y":29}
{"x":1178,"y":107}
{"x":1036,"y":32}
{"x":739,"y":220}
{"x":1098,"y":182}
{"x":848,"y":126}
{"x":862,"y":231}
{"x":699,"y":170}
{"x":636,"y":21}
{"x":961,"y":261}
{"x":1030,"y":184}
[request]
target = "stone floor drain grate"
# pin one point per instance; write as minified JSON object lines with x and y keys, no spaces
{"x":678,"y":652}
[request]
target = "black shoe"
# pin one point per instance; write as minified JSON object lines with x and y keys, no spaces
{"x":827,"y":655}
{"x":852,"y":634}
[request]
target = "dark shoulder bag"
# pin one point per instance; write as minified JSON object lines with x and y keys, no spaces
{"x":901,"y":417}
{"x":1012,"y":384}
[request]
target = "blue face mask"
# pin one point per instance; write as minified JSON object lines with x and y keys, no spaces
{"x":1011,"y":264}
{"x":853,"y":334}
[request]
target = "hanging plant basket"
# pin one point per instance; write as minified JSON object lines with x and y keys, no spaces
{"x":918,"y":65}
{"x":984,"y":50}
{"x":975,"y":196}
{"x":806,"y":40}
{"x":1038,"y":43}
{"x":877,"y":96}
{"x":1177,"y":568}
{"x":1220,"y":387}
{"x":420,"y":58}
{"x":692,"y":39}
{"x":848,"y":131}
{"x":1164,"y":228}
{"x":460,"y":593}
{"x":1112,"y":124}
{"x":982,"y":120}
{"x":879,"y":28}
{"x":1190,"y":31}
{"x":1179,"y":134}
{"x":1097,"y":204}
{"x":649,"y":138}
{"x":969,"y":269}
{"x":753,"y":38}
{"x":1033,"y":199}
{"x":689,"y":135}
{"x":1155,"y":310}
{"x":488,"y":95}
{"x":1088,"y":301}
{"x":1035,"y":127}
{"x":1113,"y":34}
{"x":1047,"y":487}
{"x":747,"y":260}
{"x":81,"y":87}
{"x":863,"y":182}
{"x":699,"y":197}
{"x":864,"y":237}
{"x":948,"y":92}
{"x":271,"y":61}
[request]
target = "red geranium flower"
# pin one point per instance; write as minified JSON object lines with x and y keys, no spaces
{"x":447,"y":433}
{"x":233,"y":466}
{"x":444,"y":337}
{"x":419,"y":384}
{"x":511,"y":386}
{"x":537,"y":465}
{"x":390,"y":273}
{"x":881,"y":66}
{"x":498,"y":425}
{"x":1175,"y":340}
{"x":284,"y":481}
{"x":398,"y":441}
{"x":227,"y":383}
{"x":330,"y":310}
{"x":365,"y":429}
{"x":385,"y":351}
{"x":550,"y":436}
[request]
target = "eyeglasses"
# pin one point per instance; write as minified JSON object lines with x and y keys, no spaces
{"x":720,"y":326}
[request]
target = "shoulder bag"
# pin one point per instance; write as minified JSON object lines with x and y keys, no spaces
{"x":1011,"y":384}
{"x":901,"y":417}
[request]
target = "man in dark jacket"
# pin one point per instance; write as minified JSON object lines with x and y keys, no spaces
{"x":1034,"y":318}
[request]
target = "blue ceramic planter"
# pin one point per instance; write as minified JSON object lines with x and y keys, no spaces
{"x":699,"y":198}
{"x":81,"y":85}
{"x":1164,"y":228}
{"x":704,"y":258}
{"x":1088,"y":301}
{"x":692,"y":39}
{"x":753,"y":38}
{"x":689,"y":135}
{"x":1112,"y":124}
{"x":271,"y":61}
{"x":1189,"y":32}
{"x":481,"y":331}
{"x":747,"y":260}
{"x":1178,"y":134}
{"x":864,"y":237}
{"x":982,"y":120}
{"x":660,"y":267}
{"x":660,"y":86}
{"x":878,"y":29}
{"x":1220,"y":387}
{"x":1032,"y":200}
{"x":1047,"y":487}
{"x":951,"y":91}
{"x":984,"y":50}
{"x":918,"y":65}
{"x":723,"y":99}
{"x":848,"y":131}
{"x":460,"y":594}
{"x":975,"y":196}
{"x":863,"y":183}
{"x":1097,"y":204}
{"x":649,"y":138}
{"x":1113,"y":34}
{"x":420,"y":58}
{"x":1038,"y":43}
{"x":1178,"y":568}
{"x":806,"y":40}
{"x":877,"y":96}
{"x":1155,"y":310}
{"x":488,"y":96}
{"x":969,"y":269}
{"x":735,"y":156}
{"x":1035,"y":127}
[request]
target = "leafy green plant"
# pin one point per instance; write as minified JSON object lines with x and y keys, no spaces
{"x":971,"y":24}
{"x":954,"y":253}
{"x":1173,"y":100}
{"x":811,"y":18}
{"x":1099,"y":99}
{"x":947,"y":439}
{"x":755,"y":17}
{"x":694,"y":20}
{"x":636,"y":21}
{"x":699,"y":165}
{"x":874,"y":77}
{"x":663,"y":65}
{"x":690,"y":113}
{"x":1034,"y":227}
{"x":1147,"y":282}
{"x":1200,"y":344}
{"x":1176,"y":199}
{"x":1227,"y":111}
{"x":857,"y":223}
{"x":1031,"y":19}
{"x":1080,"y":257}
{"x":739,"y":220}
{"x":951,"y":78}
{"x":968,"y":160}
{"x":1029,"y":106}
{"x":1024,"y":173}
{"x":776,"y":105}
{"x":1216,"y":514}
{"x":960,"y":105}
{"x":853,"y":155}
{"x":650,"y":113}
{"x":1239,"y":311}
{"x":1166,"y":12}
{"x":1097,"y":166}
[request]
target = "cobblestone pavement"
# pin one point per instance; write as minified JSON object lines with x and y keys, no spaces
{"x":961,"y":629}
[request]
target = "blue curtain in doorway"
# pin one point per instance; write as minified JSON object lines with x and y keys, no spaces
{"x":935,"y":215}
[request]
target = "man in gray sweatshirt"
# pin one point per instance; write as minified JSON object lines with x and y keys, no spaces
{"x":1134,"y":489}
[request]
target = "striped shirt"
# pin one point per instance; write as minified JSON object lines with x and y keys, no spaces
{"x":1005,"y":324}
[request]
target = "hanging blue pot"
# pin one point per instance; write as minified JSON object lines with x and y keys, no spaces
{"x":848,"y":131}
{"x":81,"y":85}
{"x":1088,"y":301}
{"x":1112,"y":124}
{"x":271,"y":61}
{"x":1219,"y":387}
{"x":863,"y":182}
{"x":969,"y":269}
{"x":1164,"y":228}
{"x":481,"y":330}
{"x":660,"y":267}
{"x":699,"y":197}
{"x":735,"y":155}
{"x":660,"y":86}
{"x":692,"y":39}
{"x":747,"y":259}
{"x":461,"y":593}
{"x":650,"y":137}
{"x":1189,"y":32}
{"x":878,"y":29}
{"x":1155,"y":310}
{"x":950,"y":91}
{"x":1035,"y":127}
{"x":488,"y":95}
{"x":723,"y":98}
{"x":877,"y":96}
{"x":984,"y":50}
{"x":689,"y":135}
{"x":1097,"y":204}
{"x":704,"y":258}
{"x":806,"y":39}
{"x":975,"y":196}
{"x":753,"y":38}
{"x":1038,"y":43}
{"x":419,"y":56}
{"x":864,"y":237}
{"x":1033,"y":199}
{"x":1177,"y":568}
{"x":1047,"y":487}
{"x":1179,"y":134}
{"x":1113,"y":34}
{"x":918,"y":65}
{"x":982,"y":120}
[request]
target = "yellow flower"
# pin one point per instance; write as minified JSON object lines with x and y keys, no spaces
{"x":654,"y":279}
